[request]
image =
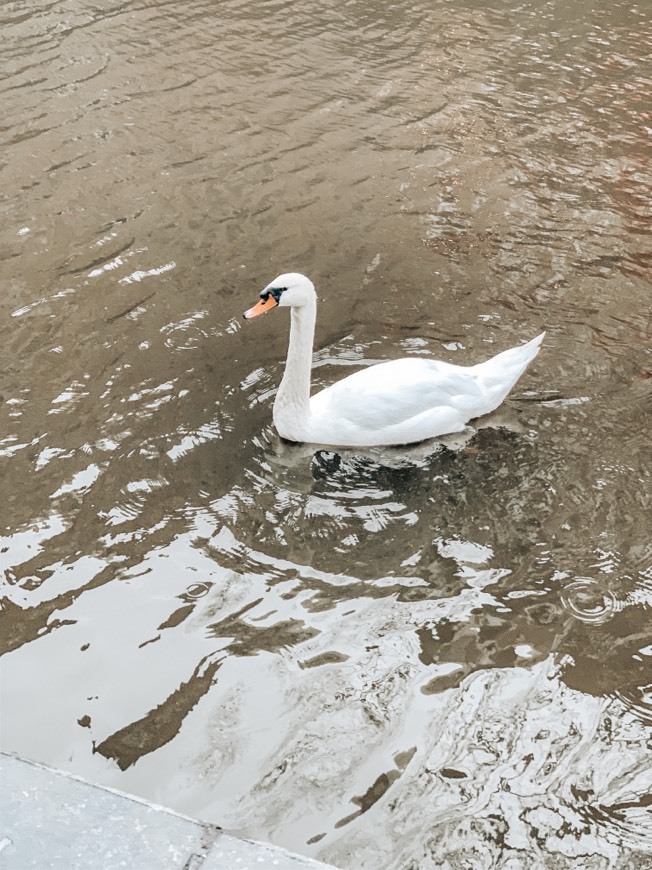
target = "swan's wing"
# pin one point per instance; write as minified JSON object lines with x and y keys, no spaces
{"x":392,"y":393}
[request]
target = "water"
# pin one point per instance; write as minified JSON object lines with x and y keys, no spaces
{"x":394,"y":658}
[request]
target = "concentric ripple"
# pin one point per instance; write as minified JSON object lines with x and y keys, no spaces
{"x":588,"y":601}
{"x":185,"y":334}
{"x":638,"y":700}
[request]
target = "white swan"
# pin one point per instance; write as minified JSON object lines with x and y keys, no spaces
{"x":397,"y":402}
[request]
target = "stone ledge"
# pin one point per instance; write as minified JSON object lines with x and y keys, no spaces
{"x":52,"y":820}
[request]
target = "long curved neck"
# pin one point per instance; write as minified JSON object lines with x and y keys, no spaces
{"x":293,"y":398}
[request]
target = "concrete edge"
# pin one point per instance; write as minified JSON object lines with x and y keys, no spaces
{"x":53,"y":816}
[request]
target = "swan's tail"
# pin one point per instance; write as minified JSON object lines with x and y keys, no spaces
{"x":498,"y":375}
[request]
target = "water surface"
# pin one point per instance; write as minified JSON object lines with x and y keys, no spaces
{"x":400,"y":658}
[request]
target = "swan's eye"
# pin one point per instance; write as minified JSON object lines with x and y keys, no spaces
{"x":273,"y":291}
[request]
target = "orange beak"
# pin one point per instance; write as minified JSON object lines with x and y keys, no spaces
{"x":260,"y":307}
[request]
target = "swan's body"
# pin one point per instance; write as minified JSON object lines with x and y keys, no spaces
{"x":396,"y":402}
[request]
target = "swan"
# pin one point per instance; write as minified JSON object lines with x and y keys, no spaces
{"x":402,"y":401}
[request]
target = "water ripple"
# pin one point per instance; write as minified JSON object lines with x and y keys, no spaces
{"x":342,"y":650}
{"x":638,"y":700}
{"x":588,"y":601}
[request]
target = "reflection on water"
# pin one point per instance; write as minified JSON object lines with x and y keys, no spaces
{"x":394,"y":657}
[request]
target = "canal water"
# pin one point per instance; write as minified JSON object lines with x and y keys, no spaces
{"x":403,"y":658}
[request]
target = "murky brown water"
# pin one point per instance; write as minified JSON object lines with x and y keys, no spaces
{"x":401,"y":659}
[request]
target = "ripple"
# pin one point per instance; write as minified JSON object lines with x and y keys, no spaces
{"x":588,"y":602}
{"x":198,"y":590}
{"x":185,"y":335}
{"x":124,"y":512}
{"x":185,"y":338}
{"x":629,"y":817}
{"x":638,"y":700}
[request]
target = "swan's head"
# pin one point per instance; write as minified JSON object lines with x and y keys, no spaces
{"x":290,"y":289}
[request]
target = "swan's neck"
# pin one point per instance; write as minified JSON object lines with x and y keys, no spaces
{"x":292,"y":404}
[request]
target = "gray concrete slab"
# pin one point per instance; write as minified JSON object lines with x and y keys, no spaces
{"x":51,"y":820}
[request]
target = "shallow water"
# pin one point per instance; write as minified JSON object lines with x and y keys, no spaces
{"x":399,"y":658}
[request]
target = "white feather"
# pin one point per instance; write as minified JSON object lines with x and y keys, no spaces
{"x":398,"y":402}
